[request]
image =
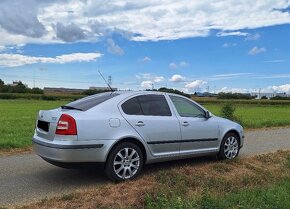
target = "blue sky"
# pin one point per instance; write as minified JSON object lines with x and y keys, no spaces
{"x":218,"y":55}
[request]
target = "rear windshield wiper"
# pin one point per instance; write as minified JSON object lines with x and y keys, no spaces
{"x":70,"y":108}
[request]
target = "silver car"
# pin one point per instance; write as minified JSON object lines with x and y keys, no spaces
{"x":126,"y":129}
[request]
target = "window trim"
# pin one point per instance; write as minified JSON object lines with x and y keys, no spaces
{"x":190,"y":101}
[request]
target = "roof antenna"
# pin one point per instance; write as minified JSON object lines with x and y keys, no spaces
{"x":105,"y":81}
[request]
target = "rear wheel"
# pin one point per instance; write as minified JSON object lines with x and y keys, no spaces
{"x":124,"y":162}
{"x":230,"y":147}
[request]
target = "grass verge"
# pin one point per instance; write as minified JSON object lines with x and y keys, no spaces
{"x":258,"y":182}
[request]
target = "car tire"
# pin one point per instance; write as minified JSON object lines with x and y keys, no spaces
{"x":230,"y":147}
{"x":124,"y":162}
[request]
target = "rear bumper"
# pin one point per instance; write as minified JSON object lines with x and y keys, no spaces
{"x":72,"y":151}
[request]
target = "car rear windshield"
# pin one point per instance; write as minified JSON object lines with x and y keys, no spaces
{"x":90,"y":101}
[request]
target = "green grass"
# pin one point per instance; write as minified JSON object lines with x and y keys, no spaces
{"x":258,"y":116}
{"x":259,"y":182}
{"x":17,"y":121}
{"x":274,"y":196}
{"x":17,"y":118}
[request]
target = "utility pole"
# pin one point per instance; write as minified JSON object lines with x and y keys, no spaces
{"x":33,"y":78}
{"x":110,"y":80}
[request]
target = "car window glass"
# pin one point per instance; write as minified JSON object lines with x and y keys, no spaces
{"x":91,"y":101}
{"x":132,"y":107}
{"x":155,"y":105}
{"x":186,"y":108}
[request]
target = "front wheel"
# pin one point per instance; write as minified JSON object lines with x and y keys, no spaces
{"x":230,"y":147}
{"x":124,"y":162}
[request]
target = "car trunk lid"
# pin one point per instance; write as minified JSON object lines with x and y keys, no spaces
{"x":46,"y":123}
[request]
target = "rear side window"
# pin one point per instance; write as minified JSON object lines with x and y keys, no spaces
{"x":154,"y":105}
{"x":132,"y":107}
{"x":91,"y":101}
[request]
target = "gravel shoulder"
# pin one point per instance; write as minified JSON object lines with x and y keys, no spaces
{"x":26,"y":177}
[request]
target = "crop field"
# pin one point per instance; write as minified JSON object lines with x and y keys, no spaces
{"x":258,"y":116}
{"x":17,"y":121}
{"x":17,"y":118}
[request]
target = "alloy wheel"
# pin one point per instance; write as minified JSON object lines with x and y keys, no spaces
{"x":231,"y":147}
{"x":126,"y":163}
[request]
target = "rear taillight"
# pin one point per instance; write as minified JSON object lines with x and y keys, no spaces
{"x":66,"y":125}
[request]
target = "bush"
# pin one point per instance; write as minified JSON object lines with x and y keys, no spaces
{"x":223,"y":95}
{"x":264,"y":97}
{"x":280,"y":98}
{"x":228,"y":111}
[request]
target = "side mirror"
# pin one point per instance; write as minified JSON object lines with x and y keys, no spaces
{"x":207,"y":114}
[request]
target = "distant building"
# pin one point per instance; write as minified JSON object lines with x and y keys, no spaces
{"x":74,"y":91}
{"x":63,"y":90}
{"x":15,"y":83}
{"x":269,"y":95}
{"x":101,"y":88}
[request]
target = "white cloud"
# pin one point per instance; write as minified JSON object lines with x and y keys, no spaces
{"x":2,"y":48}
{"x":145,"y":59}
{"x":235,"y":90}
{"x":158,"y":79}
{"x":277,"y":61}
{"x":285,"y":88}
{"x":232,"y":33}
{"x":173,"y":65}
{"x":228,"y":45}
{"x":256,"y":50}
{"x":15,"y":60}
{"x":183,"y":64}
{"x":147,"y":84}
{"x":195,"y":84}
{"x":34,"y":21}
{"x":148,"y":79}
{"x":253,"y":37}
{"x":280,"y":89}
{"x":177,"y":78}
{"x":114,"y":48}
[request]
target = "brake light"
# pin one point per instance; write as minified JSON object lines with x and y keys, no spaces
{"x":66,"y":125}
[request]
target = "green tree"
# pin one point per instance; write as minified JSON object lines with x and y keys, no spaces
{"x":228,"y":111}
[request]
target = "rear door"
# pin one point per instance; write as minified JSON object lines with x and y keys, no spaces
{"x":151,"y":116}
{"x":199,"y":134}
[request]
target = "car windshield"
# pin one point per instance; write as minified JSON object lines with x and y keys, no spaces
{"x":90,"y":101}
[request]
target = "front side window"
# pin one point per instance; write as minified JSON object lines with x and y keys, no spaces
{"x":154,"y":105}
{"x":186,"y":108}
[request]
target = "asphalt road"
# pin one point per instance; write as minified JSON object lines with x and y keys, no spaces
{"x":24,"y":178}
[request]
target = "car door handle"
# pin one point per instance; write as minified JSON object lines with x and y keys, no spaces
{"x":140,"y":123}
{"x":185,"y":123}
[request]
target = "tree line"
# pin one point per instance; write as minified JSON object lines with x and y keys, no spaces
{"x":18,"y":88}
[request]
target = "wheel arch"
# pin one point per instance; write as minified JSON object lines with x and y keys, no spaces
{"x":235,"y":132}
{"x":133,"y":140}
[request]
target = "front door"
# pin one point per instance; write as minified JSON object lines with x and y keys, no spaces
{"x":199,"y":134}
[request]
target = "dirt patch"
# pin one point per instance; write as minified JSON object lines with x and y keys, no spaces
{"x":15,"y":151}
